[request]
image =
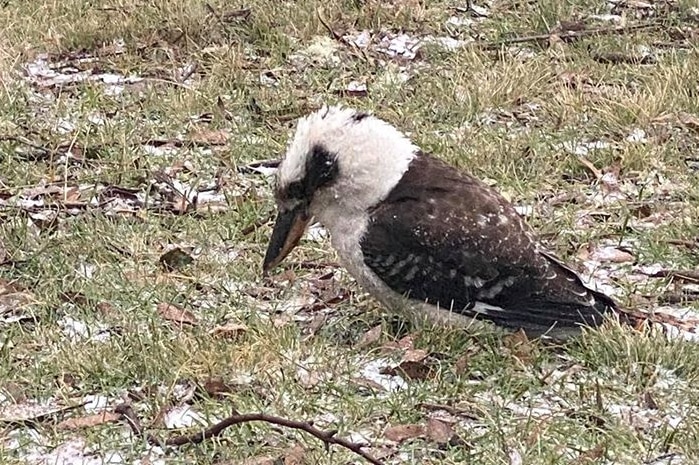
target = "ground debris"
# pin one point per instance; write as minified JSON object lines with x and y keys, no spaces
{"x":176,"y":314}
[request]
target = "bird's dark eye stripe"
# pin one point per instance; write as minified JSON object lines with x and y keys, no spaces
{"x":321,"y":169}
{"x":296,"y":190}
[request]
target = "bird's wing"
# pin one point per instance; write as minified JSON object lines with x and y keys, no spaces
{"x":446,"y":238}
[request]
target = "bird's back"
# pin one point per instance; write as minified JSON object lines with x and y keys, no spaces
{"x":445,"y":238}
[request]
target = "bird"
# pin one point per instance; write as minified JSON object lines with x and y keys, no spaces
{"x":420,"y":236}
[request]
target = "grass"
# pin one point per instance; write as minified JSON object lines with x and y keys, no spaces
{"x":511,"y":116}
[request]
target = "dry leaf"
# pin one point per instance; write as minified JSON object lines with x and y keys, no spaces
{"x":368,"y":383}
{"x":106,"y":309}
{"x":175,"y":258}
{"x":295,"y":456}
{"x":216,"y":388}
{"x":649,"y":401}
{"x":611,"y":255}
{"x":88,"y":421}
{"x":308,"y":378}
{"x":13,"y":391}
{"x":400,"y":433}
{"x":591,"y":456}
{"x":370,"y":337}
{"x":171,"y":312}
{"x":229,"y":330}
{"x":689,"y":120}
{"x":414,"y":355}
{"x":412,"y":370}
{"x":210,"y":137}
{"x":31,"y":412}
{"x":520,"y":345}
{"x":316,"y":323}
{"x":405,"y":343}
{"x":439,"y":431}
{"x":461,"y":365}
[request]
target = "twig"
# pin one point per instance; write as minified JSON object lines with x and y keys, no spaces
{"x":42,"y":152}
{"x":128,"y":414}
{"x":187,"y":73}
{"x":449,"y":409}
{"x":328,"y":437}
{"x":314,"y":265}
{"x":213,"y":13}
{"x":569,"y":34}
{"x":684,"y":275}
{"x":253,"y":167}
{"x":242,"y":13}
{"x":690,"y":244}
{"x":677,"y":298}
{"x":588,"y":164}
{"x":246,"y":231}
{"x":325,"y":24}
{"x":620,"y":58}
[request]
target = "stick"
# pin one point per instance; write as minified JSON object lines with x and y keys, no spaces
{"x":588,"y":164}
{"x":325,"y":24}
{"x":570,"y":34}
{"x":685,"y":275}
{"x":449,"y":409}
{"x":328,"y":437}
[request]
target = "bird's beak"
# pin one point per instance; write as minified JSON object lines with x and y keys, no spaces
{"x":287,"y":232}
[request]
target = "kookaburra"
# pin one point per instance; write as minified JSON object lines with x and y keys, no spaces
{"x":419,"y":235}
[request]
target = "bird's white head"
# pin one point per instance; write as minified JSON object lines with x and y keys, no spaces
{"x":339,"y":163}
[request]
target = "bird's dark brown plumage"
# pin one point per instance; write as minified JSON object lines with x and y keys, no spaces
{"x":446,"y":238}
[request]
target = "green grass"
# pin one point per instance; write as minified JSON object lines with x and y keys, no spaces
{"x":506,"y":115}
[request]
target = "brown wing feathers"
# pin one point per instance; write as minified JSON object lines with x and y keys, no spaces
{"x":448,"y":239}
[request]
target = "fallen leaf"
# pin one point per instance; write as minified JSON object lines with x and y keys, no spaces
{"x":406,"y":343}
{"x":216,"y":388}
{"x":88,"y":421}
{"x":13,"y":392}
{"x":520,"y":345}
{"x":461,"y":365}
{"x":67,"y":380}
{"x":172,"y":312}
{"x":400,"y":433}
{"x":229,"y":330}
{"x":412,"y":370}
{"x":210,"y":137}
{"x":368,"y":383}
{"x":370,"y":337}
{"x":308,"y":378}
{"x":689,"y":120}
{"x":14,"y":301}
{"x":106,"y":309}
{"x":439,"y":431}
{"x":649,"y":401}
{"x":31,"y":412}
{"x":175,"y":259}
{"x":611,"y":255}
{"x":295,"y":456}
{"x":414,"y":355}
{"x":591,"y":456}
{"x":314,"y":326}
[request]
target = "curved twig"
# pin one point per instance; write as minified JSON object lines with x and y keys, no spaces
{"x":328,"y":437}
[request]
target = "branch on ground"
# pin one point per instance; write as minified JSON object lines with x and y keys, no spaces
{"x":328,"y":437}
{"x":571,"y":34}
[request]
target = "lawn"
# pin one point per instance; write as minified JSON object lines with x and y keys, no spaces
{"x":137,"y":149}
